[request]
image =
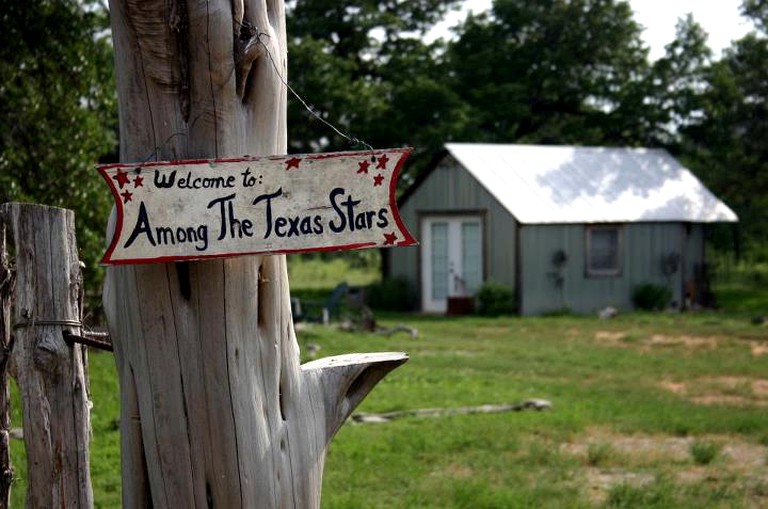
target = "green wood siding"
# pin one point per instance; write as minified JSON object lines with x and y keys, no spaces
{"x":644,"y":246}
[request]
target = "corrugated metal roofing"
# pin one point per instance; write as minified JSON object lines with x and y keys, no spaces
{"x":564,"y":184}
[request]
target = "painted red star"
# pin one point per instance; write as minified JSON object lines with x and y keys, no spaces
{"x":127,"y":196}
{"x":292,"y":163}
{"x":138,"y":181}
{"x":363,"y":166}
{"x":390,"y":238}
{"x":378,"y":179}
{"x":122,"y":178}
{"x":382,"y":165}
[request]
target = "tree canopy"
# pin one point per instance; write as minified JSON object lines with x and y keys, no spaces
{"x":726,"y":144}
{"x":57,"y":111}
{"x":551,"y":71}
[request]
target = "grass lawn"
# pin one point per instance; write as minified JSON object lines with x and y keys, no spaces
{"x":650,"y":410}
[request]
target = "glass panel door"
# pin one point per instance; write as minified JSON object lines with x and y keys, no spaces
{"x":451,"y":260}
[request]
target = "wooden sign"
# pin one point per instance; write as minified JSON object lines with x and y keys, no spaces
{"x":185,"y":210}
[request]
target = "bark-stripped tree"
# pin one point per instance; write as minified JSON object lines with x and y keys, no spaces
{"x":216,"y":409}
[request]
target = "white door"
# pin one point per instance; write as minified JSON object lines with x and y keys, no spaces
{"x":452,"y":259}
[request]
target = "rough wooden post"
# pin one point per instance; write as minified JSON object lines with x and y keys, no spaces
{"x":7,"y":279}
{"x":216,"y":409}
{"x":55,"y":405}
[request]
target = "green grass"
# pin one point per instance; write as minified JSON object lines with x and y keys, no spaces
{"x":606,"y":380}
{"x":517,"y":460}
{"x":741,"y":288}
{"x":105,"y":440}
{"x":316,"y":273}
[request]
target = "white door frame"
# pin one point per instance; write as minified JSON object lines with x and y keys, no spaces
{"x":454,"y":280}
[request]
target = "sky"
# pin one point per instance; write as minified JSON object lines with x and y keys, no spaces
{"x":719,"y":18}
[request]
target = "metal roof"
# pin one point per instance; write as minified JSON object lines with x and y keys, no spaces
{"x":564,"y":184}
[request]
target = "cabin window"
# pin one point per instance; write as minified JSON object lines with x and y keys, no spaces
{"x":603,"y":251}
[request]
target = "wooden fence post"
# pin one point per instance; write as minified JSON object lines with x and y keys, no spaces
{"x":7,"y":279}
{"x":50,"y":373}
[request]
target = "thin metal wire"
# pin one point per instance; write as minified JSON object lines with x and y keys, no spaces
{"x":352,"y":139}
{"x":33,"y":323}
{"x":157,"y":149}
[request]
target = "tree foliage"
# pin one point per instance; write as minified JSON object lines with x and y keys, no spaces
{"x":554,"y":71}
{"x":550,"y":71}
{"x":57,"y":111}
{"x":364,"y":67}
{"x":727,"y":145}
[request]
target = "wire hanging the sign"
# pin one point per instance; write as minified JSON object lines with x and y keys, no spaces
{"x":353,"y":140}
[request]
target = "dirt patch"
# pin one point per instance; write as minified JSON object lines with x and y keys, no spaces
{"x":638,"y":460}
{"x":693,"y":342}
{"x":758,"y":348}
{"x":610,"y":337}
{"x":724,"y":390}
{"x":600,"y":482}
{"x":445,"y":353}
{"x":760,"y":388}
{"x":744,"y":456}
{"x":644,"y":449}
{"x":726,"y":400}
{"x":689,"y":342}
{"x":674,"y":387}
{"x":459,"y":471}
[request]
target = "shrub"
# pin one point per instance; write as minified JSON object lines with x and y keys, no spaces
{"x":650,"y":297}
{"x":494,"y":299}
{"x":391,"y":295}
{"x":704,"y":451}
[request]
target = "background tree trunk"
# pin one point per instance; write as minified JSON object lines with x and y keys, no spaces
{"x":216,"y":409}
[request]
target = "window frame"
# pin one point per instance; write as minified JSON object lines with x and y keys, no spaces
{"x":592,"y":271}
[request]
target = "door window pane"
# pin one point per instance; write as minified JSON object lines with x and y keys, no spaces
{"x":471,"y":257}
{"x":439,"y":236}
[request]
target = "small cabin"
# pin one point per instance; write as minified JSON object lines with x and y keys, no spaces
{"x":567,"y":228}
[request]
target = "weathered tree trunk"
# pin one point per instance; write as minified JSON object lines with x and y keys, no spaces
{"x":52,"y":380}
{"x":7,"y":279}
{"x":216,"y":409}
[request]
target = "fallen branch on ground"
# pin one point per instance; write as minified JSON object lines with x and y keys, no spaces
{"x":529,"y":404}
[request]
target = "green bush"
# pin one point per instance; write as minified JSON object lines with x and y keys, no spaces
{"x":494,"y":299}
{"x":650,"y":297}
{"x":704,"y":452}
{"x":391,"y":295}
